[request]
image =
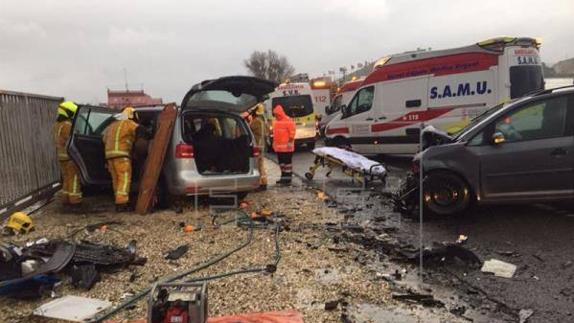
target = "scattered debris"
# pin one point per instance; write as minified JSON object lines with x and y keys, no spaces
{"x":58,"y":261}
{"x":423,"y":299}
{"x":84,"y":276}
{"x":524,"y":315}
{"x":332,"y":305}
{"x":461,"y":239}
{"x":177,"y":252}
{"x":499,"y":268}
{"x":447,"y":253}
{"x":87,"y":252}
{"x":321,"y":196}
{"x":72,"y":308}
{"x":566,"y":265}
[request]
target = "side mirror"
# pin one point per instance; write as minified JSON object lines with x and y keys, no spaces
{"x":344,"y":110}
{"x":498,"y":138}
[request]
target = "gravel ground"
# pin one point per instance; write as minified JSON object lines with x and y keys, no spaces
{"x":309,"y":274}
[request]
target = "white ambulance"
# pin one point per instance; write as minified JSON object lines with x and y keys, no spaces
{"x":321,"y":91}
{"x":342,"y":97}
{"x":297,"y":101}
{"x":443,"y":88}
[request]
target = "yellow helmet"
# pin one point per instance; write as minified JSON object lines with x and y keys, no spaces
{"x":20,"y":222}
{"x":130,"y":112}
{"x":62,"y":112}
{"x":68,"y":107}
{"x":260,"y":109}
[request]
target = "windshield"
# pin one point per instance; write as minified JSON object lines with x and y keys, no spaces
{"x":525,"y":79}
{"x":295,"y":106}
{"x":476,"y":120}
{"x":243,"y":100}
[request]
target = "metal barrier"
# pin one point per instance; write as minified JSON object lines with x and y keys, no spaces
{"x":28,"y":161}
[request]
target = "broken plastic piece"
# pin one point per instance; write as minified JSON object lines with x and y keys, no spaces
{"x":61,"y":257}
{"x":499,"y":268}
{"x":84,"y":276}
{"x":177,"y":252}
{"x":72,"y":308}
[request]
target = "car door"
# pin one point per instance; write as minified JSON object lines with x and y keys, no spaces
{"x":359,"y":116}
{"x":536,"y":159}
{"x":86,"y":147}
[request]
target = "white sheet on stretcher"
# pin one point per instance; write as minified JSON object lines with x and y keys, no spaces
{"x":351,"y":159}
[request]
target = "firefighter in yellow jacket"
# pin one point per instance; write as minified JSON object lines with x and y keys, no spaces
{"x":119,"y":138}
{"x":71,"y":186}
{"x":257,"y":125}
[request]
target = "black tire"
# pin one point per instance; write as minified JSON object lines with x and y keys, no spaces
{"x":241,"y":196}
{"x":446,"y":193}
{"x":163,"y":198}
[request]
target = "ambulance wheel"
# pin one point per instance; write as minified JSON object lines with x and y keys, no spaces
{"x":446,"y":193}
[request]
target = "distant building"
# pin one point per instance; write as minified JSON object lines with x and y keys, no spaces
{"x":121,"y":99}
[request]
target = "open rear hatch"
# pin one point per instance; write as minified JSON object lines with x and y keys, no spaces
{"x":231,"y":93}
{"x":220,"y":139}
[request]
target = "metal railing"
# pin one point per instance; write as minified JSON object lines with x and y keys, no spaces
{"x":28,"y":160}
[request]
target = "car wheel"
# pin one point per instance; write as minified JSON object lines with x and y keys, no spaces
{"x":446,"y":193}
{"x":241,"y":196}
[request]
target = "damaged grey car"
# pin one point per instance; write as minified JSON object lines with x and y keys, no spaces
{"x":520,"y":151}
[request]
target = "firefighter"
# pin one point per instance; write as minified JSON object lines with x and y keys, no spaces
{"x":257,"y":125}
{"x":283,"y":143}
{"x":71,"y":186}
{"x":119,"y":138}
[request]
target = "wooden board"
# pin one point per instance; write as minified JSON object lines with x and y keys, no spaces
{"x":154,"y":161}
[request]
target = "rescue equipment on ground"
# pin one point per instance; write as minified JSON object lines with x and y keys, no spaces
{"x":178,"y":303}
{"x":20,"y":222}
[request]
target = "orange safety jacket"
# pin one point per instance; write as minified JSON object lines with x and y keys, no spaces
{"x":283,"y":131}
{"x":119,"y":138}
{"x":62,"y":131}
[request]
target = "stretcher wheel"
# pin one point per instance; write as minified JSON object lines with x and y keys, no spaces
{"x":309,"y":176}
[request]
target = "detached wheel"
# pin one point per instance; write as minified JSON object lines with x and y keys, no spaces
{"x":446,"y":194}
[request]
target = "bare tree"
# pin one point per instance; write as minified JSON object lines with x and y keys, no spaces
{"x":269,"y":65}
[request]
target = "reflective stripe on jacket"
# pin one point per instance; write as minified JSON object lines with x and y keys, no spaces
{"x":283,"y":131}
{"x":119,"y":138}
{"x":257,"y":126}
{"x":62,"y":131}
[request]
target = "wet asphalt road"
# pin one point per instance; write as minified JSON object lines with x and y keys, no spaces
{"x":538,"y":239}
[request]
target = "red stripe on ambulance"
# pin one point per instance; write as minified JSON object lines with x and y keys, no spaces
{"x":409,"y":119}
{"x":437,"y":66}
{"x":334,"y":131}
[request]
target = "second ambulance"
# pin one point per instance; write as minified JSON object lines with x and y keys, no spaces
{"x":444,"y":88}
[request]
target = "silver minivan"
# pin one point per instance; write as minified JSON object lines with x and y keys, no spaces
{"x":211,"y":152}
{"x":521,"y":151}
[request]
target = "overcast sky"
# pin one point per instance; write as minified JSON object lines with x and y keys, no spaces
{"x":78,"y":48}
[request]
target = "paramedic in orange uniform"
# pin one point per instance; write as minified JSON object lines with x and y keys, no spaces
{"x":284,"y":143}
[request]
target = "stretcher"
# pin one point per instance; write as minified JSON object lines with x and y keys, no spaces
{"x":357,"y":166}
